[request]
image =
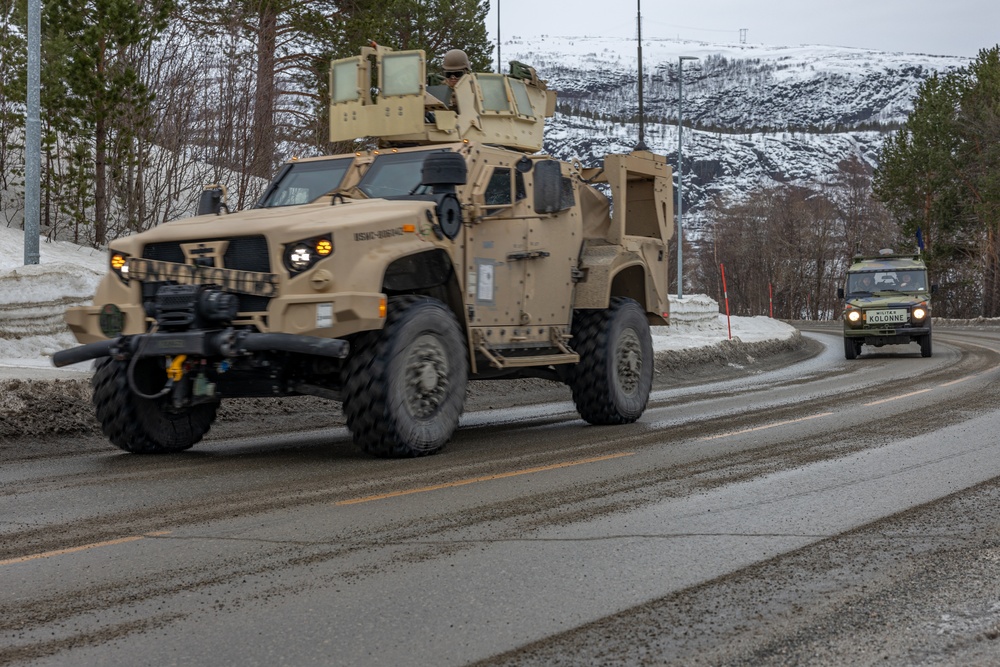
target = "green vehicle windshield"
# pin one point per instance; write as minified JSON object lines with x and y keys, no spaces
{"x":869,"y":282}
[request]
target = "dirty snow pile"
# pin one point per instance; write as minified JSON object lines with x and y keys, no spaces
{"x":695,"y":322}
{"x":33,"y":298}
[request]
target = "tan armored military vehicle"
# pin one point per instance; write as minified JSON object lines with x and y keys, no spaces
{"x":389,"y":278}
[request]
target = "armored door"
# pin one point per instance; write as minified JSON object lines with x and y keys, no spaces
{"x":495,"y":280}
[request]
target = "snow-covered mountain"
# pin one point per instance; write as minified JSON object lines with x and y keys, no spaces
{"x":754,"y":115}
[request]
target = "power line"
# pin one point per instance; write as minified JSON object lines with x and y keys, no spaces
{"x":687,"y":27}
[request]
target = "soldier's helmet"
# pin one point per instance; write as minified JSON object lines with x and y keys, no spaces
{"x":456,"y":60}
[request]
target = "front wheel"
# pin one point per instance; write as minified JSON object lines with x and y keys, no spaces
{"x":852,"y":347}
{"x":612,"y":380}
{"x":144,"y":425}
{"x":925,"y":345}
{"x":405,"y":388}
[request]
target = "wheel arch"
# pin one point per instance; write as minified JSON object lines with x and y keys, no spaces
{"x":618,"y":274}
{"x":429,"y":273}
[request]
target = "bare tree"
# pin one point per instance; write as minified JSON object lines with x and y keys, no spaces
{"x":797,"y":242}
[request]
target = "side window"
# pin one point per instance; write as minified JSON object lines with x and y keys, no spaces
{"x":519,"y":191}
{"x":567,"y":198}
{"x":494,"y":92}
{"x":498,"y":191}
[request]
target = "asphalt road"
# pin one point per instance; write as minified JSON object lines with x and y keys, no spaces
{"x":823,"y":512}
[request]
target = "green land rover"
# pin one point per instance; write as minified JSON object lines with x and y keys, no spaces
{"x":887,"y":302}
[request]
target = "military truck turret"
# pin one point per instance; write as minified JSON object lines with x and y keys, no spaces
{"x":887,"y":302}
{"x":387,"y":278}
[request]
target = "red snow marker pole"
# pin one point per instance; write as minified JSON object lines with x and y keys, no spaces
{"x":770,"y":300}
{"x":725,"y":296}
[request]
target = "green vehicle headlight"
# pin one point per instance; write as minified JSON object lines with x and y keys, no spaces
{"x":919,"y":313}
{"x":854,"y":316}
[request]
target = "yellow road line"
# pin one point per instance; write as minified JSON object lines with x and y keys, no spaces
{"x":896,"y":398}
{"x":761,"y":428}
{"x":486,"y":478}
{"x":85,"y":547}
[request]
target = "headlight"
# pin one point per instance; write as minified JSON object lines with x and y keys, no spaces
{"x":119,"y":264}
{"x":301,"y":255}
{"x":919,"y":313}
{"x":854,"y":316}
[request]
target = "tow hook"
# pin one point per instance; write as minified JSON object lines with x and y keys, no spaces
{"x":176,"y":370}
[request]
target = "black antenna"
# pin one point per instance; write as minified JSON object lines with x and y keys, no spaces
{"x":499,"y":66}
{"x":641,"y":146}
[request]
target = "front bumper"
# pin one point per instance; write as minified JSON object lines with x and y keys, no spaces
{"x":887,"y":335}
{"x":224,"y":344}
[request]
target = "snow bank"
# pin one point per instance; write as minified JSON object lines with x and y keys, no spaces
{"x":34,"y":298}
{"x":695,"y":322}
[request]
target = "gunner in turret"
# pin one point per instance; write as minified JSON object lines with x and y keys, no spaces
{"x":456,"y":65}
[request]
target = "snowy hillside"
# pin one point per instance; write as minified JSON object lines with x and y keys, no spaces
{"x":768,"y":115}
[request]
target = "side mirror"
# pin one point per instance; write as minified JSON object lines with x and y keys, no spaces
{"x":548,"y":186}
{"x":840,"y":292}
{"x":213,"y":200}
{"x":444,"y":171}
{"x":934,"y":288}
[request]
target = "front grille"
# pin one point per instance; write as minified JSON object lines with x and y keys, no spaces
{"x":164,"y":252}
{"x":245,"y":253}
{"x":248,"y":254}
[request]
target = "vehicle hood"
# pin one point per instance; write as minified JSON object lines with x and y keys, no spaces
{"x":889,"y":300}
{"x":287,"y":221}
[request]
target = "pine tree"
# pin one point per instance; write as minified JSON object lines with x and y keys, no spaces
{"x":435,"y":26}
{"x":941,"y":173}
{"x":13,"y":57}
{"x":915,"y":177}
{"x":88,"y":45}
{"x":978,"y":128}
{"x":294,"y":41}
{"x":285,"y":36}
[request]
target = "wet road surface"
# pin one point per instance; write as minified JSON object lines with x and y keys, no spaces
{"x":825,"y":512}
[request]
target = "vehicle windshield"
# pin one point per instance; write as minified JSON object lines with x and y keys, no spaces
{"x":304,"y":182}
{"x":886,"y":281}
{"x":394,"y":174}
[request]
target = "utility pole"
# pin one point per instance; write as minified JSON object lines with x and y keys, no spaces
{"x":680,"y":171}
{"x":33,"y":136}
{"x":641,"y":146}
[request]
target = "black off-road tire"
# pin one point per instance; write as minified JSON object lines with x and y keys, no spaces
{"x":925,"y":345}
{"x":612,"y":380}
{"x":406,"y":384}
{"x":141,"y":425}
{"x":852,"y":347}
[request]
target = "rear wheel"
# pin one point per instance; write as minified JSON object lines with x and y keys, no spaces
{"x":145,"y":425}
{"x":405,"y":388}
{"x":925,"y":345}
{"x":852,"y":347}
{"x":612,"y":380}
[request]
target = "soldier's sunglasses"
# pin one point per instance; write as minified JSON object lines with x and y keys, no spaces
{"x":453,"y":75}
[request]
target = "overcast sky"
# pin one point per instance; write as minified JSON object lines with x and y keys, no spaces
{"x":940,"y":27}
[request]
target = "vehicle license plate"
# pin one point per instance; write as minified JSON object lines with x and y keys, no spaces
{"x":892,"y":316}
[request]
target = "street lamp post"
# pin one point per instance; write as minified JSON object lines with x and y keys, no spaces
{"x":680,"y":170}
{"x":33,"y":136}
